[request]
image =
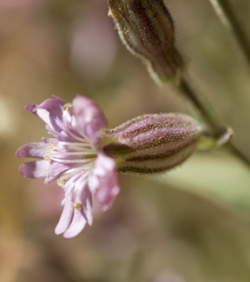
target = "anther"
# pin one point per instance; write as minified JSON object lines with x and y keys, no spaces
{"x":67,"y":106}
{"x":51,"y":146}
{"x":47,"y":157}
{"x":61,"y":181}
{"x":77,"y":205}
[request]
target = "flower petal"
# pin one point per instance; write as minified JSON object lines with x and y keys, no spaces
{"x":58,"y":100}
{"x":50,"y":111}
{"x":87,"y":207}
{"x":43,"y":169}
{"x":83,"y":195}
{"x":76,"y":226}
{"x":90,"y":118}
{"x":68,"y":210}
{"x":105,"y":175}
{"x":31,"y":108}
{"x":66,"y":217}
{"x":50,"y":140}
{"x":32,"y":150}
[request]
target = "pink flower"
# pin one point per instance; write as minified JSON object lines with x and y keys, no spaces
{"x":85,"y":156}
{"x":74,"y":158}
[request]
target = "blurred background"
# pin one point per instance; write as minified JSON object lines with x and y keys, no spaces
{"x":191,"y":224}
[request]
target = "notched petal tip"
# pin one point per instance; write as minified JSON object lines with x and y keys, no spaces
{"x":32,"y":150}
{"x":65,"y":219}
{"x":31,"y":108}
{"x":25,"y":171}
{"x":19,"y":152}
{"x":77,"y":225}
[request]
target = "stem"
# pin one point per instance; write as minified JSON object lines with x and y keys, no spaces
{"x":208,"y":115}
{"x":205,"y":110}
{"x":227,"y":16}
{"x":238,"y":153}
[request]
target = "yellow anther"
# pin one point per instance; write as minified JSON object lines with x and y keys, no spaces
{"x":47,"y":157}
{"x":61,"y":181}
{"x":67,"y":106}
{"x":77,"y":205}
{"x":51,"y":146}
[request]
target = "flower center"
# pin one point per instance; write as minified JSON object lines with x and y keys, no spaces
{"x":78,"y":153}
{"x":80,"y":156}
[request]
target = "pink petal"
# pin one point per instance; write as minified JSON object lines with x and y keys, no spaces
{"x":106,"y":175}
{"x":31,"y":108}
{"x":32,"y":150}
{"x":89,"y":116}
{"x":66,"y":217}
{"x":76,"y":226}
{"x":52,"y":106}
{"x":84,"y":196}
{"x":42,"y":169}
{"x":87,"y":207}
{"x":68,"y":211}
{"x":58,"y":100}
{"x":48,"y":140}
{"x":50,"y":111}
{"x":49,"y":119}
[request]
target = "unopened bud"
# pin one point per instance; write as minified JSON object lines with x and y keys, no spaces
{"x":147,"y":30}
{"x":153,"y":143}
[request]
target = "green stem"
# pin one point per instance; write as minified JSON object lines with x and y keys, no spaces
{"x":238,"y":153}
{"x":229,"y":19}
{"x":205,"y":110}
{"x":208,"y":115}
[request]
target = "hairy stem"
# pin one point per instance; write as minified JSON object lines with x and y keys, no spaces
{"x":230,"y":20}
{"x":208,"y":115}
{"x":205,"y":110}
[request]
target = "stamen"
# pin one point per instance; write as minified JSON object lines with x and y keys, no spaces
{"x":83,"y":143}
{"x":87,"y":168}
{"x":82,"y":154}
{"x":47,"y":157}
{"x":61,"y":181}
{"x":77,"y":205}
{"x":71,"y":161}
{"x":71,"y":133}
{"x":78,"y":148}
{"x":67,"y":106}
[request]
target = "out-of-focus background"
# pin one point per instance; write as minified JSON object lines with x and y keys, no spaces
{"x":191,"y":224}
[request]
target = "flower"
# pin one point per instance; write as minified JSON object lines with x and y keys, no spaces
{"x":73,"y":158}
{"x":84,"y":156}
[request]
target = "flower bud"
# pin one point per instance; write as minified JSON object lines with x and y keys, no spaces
{"x":152,"y":143}
{"x":147,"y":30}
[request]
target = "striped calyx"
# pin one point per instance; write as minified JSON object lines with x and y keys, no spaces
{"x":152,"y":143}
{"x":147,"y":30}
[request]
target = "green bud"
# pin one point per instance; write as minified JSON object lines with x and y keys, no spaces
{"x":147,"y":30}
